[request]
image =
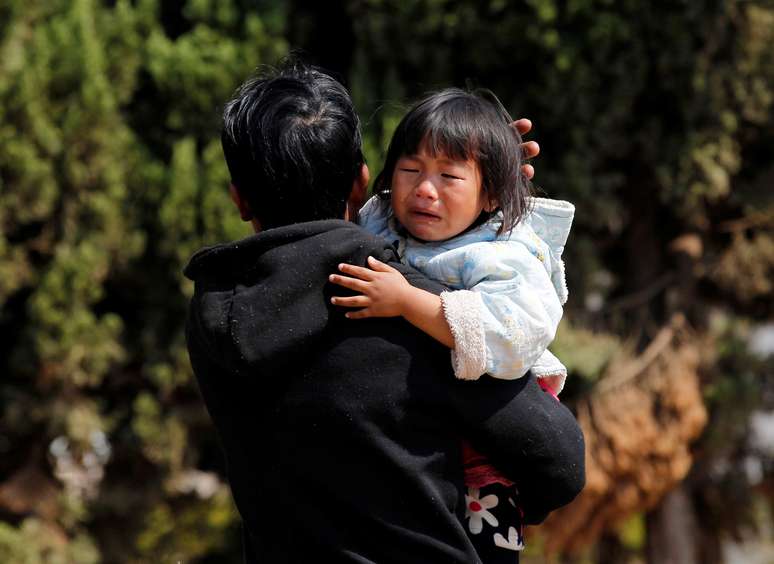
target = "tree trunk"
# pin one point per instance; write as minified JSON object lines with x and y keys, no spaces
{"x":673,"y":534}
{"x":609,"y":550}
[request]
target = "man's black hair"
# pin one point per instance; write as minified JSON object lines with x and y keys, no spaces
{"x":292,"y":143}
{"x":465,"y":125}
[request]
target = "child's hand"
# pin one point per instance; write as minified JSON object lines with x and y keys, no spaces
{"x":385,"y":292}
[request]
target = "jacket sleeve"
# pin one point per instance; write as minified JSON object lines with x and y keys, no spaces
{"x":505,"y":320}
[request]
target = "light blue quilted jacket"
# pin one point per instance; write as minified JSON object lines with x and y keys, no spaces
{"x":508,"y":289}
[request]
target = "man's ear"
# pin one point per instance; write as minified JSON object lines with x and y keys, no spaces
{"x":244,"y":208}
{"x":358,"y":194}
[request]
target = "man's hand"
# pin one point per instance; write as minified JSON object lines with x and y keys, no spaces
{"x":385,"y":292}
{"x":530,"y":149}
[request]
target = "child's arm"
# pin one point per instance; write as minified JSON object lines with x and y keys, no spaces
{"x":501,"y":326}
{"x":509,"y":314}
{"x":386,"y":293}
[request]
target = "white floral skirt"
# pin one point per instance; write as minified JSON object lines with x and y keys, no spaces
{"x":495,"y":523}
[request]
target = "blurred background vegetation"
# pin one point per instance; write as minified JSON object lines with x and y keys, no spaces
{"x":655,"y":118}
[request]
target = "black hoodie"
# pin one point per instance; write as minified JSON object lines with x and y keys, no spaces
{"x":342,"y":437}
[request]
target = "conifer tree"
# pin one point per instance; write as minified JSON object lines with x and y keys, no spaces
{"x":111,"y":175}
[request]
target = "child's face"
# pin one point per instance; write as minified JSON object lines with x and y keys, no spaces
{"x":436,"y":198}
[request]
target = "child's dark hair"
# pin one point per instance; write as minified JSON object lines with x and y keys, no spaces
{"x":465,"y":125}
{"x":292,"y":143}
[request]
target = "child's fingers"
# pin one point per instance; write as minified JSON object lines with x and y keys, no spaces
{"x":351,"y":301}
{"x":379,"y":266}
{"x":347,"y":282}
{"x":357,"y":271}
{"x":528,"y":170}
{"x":360,"y":314}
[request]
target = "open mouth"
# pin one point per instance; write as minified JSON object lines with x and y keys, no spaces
{"x":420,"y":214}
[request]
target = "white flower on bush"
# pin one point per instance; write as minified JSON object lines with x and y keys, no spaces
{"x":476,"y":509}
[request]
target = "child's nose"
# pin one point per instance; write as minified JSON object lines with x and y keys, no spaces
{"x":426,"y":189}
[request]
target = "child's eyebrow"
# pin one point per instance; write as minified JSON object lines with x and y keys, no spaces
{"x":443,"y":160}
{"x":460,"y":163}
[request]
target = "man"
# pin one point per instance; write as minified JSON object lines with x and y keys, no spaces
{"x":342,"y":439}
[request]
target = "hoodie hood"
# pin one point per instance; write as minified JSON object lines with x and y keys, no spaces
{"x":262,"y":301}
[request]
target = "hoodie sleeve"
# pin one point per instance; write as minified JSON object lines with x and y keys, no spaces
{"x":528,"y":436}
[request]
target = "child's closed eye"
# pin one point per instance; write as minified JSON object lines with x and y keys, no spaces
{"x":451,"y":176}
{"x":404,"y":169}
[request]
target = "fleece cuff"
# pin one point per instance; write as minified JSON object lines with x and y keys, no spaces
{"x":462,"y":310}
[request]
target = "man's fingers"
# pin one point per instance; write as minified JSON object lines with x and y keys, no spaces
{"x":522,"y":125}
{"x":347,"y":282}
{"x":530,"y":149}
{"x":379,"y":266}
{"x":351,"y":301}
{"x":356,"y":271}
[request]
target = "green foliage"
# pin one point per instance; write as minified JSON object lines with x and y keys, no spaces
{"x":33,"y":542}
{"x":111,"y":176}
{"x":198,"y":529}
{"x":585,"y":353}
{"x":632,"y":532}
